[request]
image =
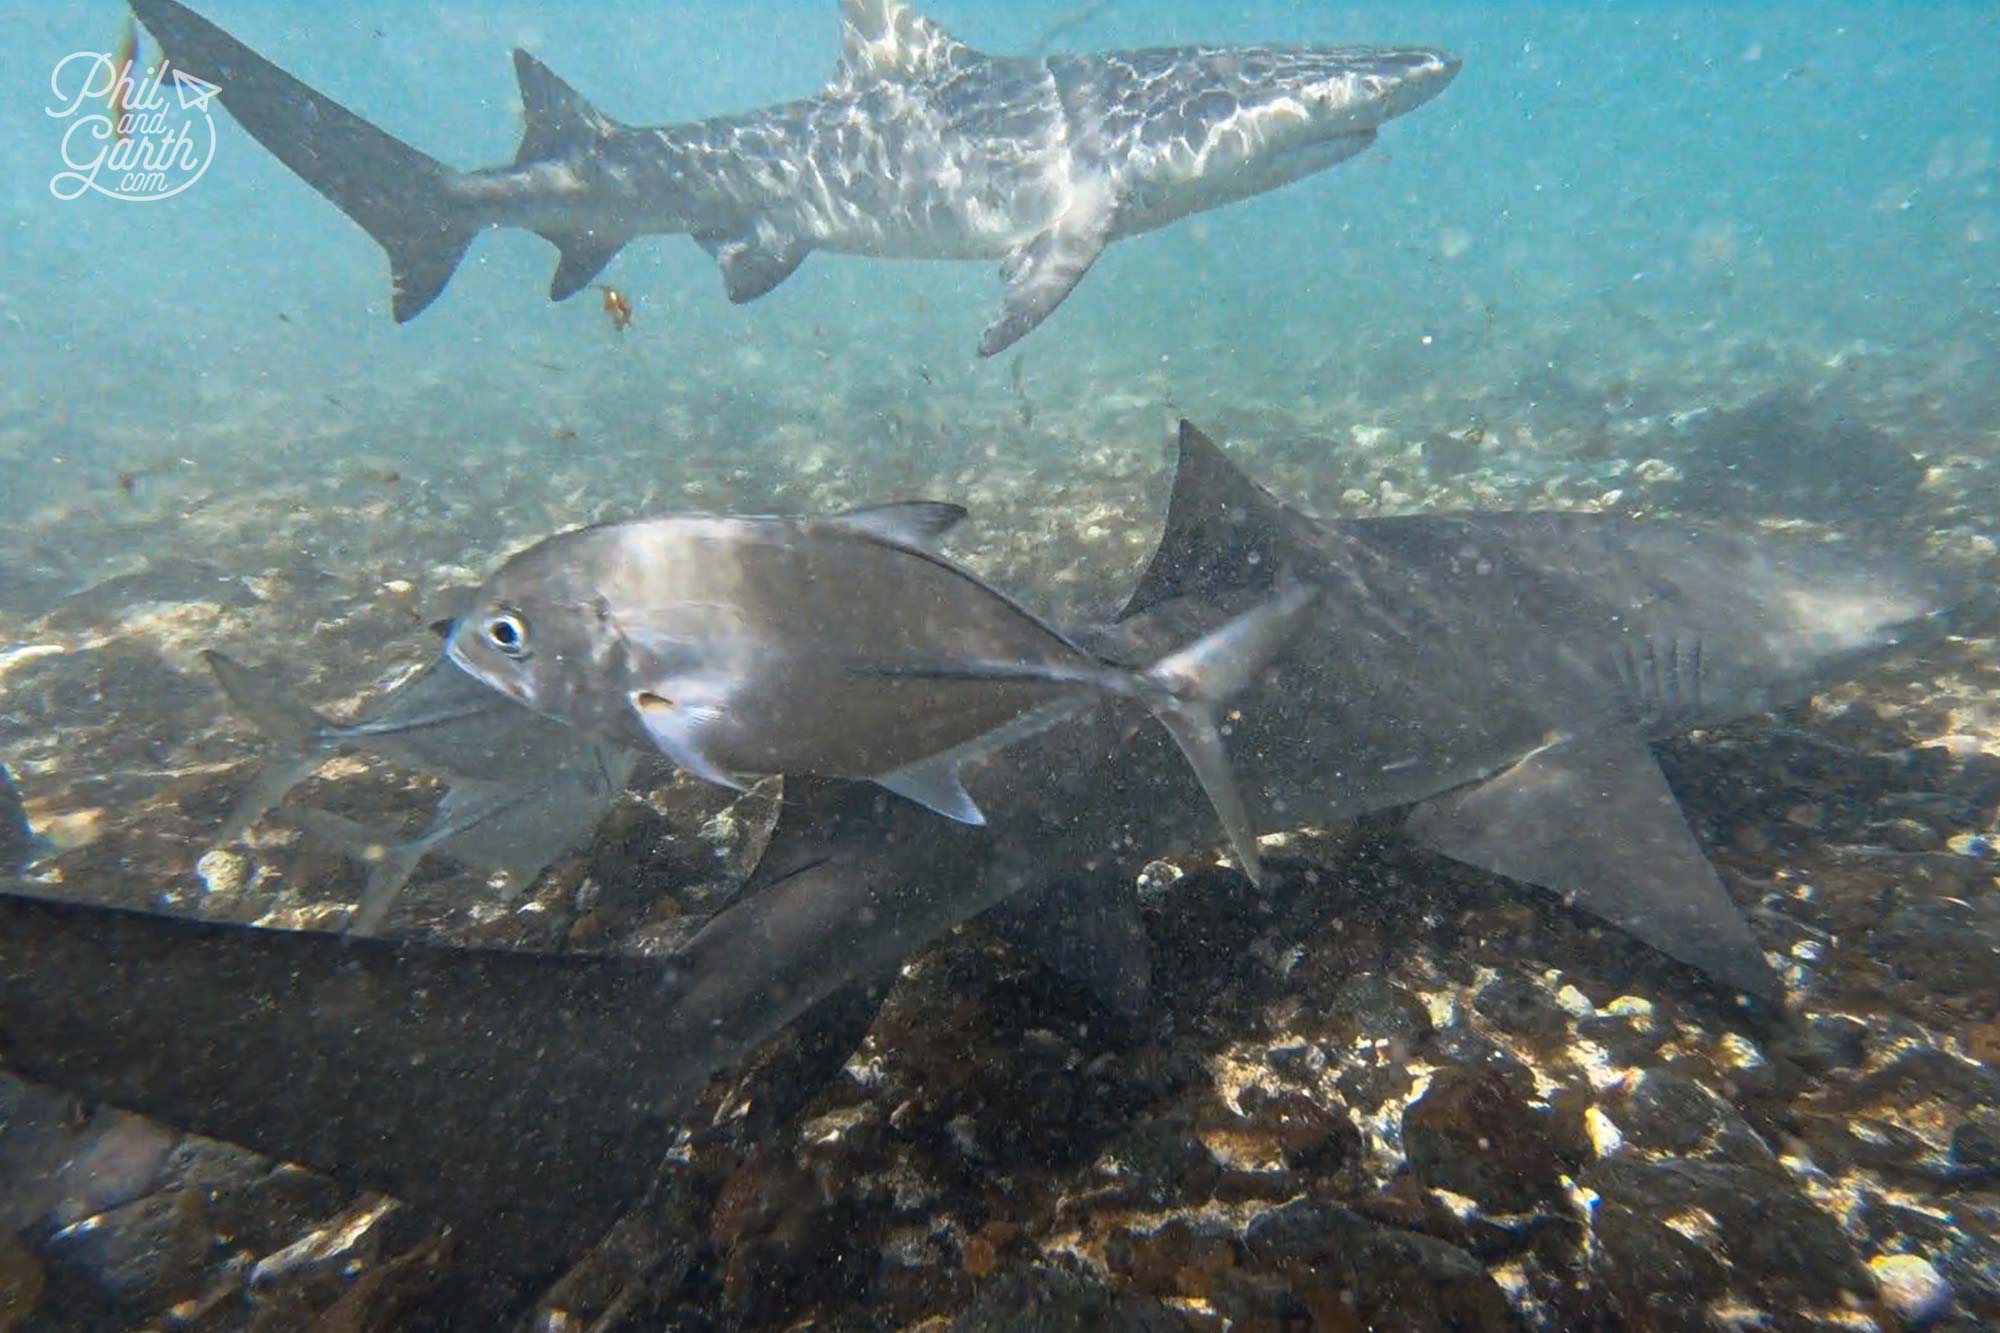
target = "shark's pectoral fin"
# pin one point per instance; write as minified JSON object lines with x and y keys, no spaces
{"x":1041,"y":274}
{"x":753,"y":265}
{"x":1592,"y":818}
{"x":584,"y":255}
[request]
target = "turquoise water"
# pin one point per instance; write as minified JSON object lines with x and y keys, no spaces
{"x":1606,"y":188}
{"x":1737,"y":261}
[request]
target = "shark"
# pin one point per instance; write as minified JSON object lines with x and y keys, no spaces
{"x":1499,"y":678}
{"x":921,"y":147}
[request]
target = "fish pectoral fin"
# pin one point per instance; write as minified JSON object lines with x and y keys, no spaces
{"x":583,"y":256}
{"x":934,"y":784}
{"x":1591,"y":817}
{"x":752,"y":265}
{"x":1038,"y":277}
{"x":909,"y":523}
{"x":676,"y":728}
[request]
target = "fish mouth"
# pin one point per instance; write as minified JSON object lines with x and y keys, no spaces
{"x":513,"y":688}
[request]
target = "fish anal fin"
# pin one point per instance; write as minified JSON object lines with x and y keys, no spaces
{"x":938,"y":783}
{"x":1040,"y":275}
{"x":886,"y":39}
{"x":556,"y":119}
{"x":583,"y":256}
{"x":1592,"y":818}
{"x":906,"y":523}
{"x":934,"y":784}
{"x":753,"y":265}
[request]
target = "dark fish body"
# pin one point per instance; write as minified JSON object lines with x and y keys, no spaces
{"x":920,"y":148}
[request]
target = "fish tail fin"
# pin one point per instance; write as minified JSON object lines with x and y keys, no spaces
{"x":277,"y":714}
{"x":391,"y":862}
{"x":302,"y":735}
{"x":1186,"y":691}
{"x":399,"y":195}
{"x":558,"y":120}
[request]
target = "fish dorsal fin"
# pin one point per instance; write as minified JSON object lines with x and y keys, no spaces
{"x":907,"y":523}
{"x":556,"y":117}
{"x":887,"y":40}
{"x":1223,"y":530}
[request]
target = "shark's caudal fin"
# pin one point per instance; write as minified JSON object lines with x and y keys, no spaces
{"x":557,"y":120}
{"x":1592,"y":818}
{"x":399,"y":195}
{"x":1224,"y":532}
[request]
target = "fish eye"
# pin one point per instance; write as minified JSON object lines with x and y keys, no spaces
{"x":508,"y":634}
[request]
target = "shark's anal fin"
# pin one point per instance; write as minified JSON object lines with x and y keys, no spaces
{"x":1040,"y":275}
{"x":1591,"y":817}
{"x":752,"y":265}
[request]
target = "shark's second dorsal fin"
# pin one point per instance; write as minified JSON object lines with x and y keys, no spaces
{"x":556,"y":117}
{"x":1224,"y":532}
{"x":886,"y":39}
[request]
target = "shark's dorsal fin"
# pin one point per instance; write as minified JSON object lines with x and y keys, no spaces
{"x":1224,"y":532}
{"x":887,"y":40}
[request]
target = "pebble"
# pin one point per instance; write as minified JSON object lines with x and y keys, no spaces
{"x":1912,"y":1288}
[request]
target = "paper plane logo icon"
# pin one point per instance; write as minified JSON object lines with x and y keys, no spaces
{"x":194,"y":92}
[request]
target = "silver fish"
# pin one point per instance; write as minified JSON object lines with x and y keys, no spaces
{"x":440,"y":720}
{"x":839,"y":646}
{"x":514,"y":830}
